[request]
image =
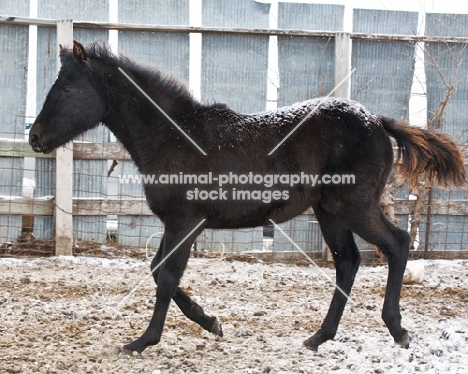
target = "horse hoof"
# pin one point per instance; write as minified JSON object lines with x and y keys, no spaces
{"x":216,"y":329}
{"x":404,"y":341}
{"x":128,"y":353}
{"x":311,"y":344}
{"x":312,"y":347}
{"x":318,"y":338}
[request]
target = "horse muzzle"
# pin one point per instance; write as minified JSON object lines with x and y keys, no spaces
{"x":35,"y":144}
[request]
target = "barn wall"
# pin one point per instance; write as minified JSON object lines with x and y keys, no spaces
{"x":13,"y":75}
{"x":447,"y":65}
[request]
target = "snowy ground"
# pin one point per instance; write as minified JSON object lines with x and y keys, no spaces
{"x":58,"y":315}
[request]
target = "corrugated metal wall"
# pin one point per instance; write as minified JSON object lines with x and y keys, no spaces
{"x":306,"y":64}
{"x":234,"y":70}
{"x":234,"y":67}
{"x":384,"y":70}
{"x":447,"y":65}
{"x":13,"y":75}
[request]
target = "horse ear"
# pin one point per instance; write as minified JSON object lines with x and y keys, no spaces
{"x":79,"y":52}
{"x":63,"y":52}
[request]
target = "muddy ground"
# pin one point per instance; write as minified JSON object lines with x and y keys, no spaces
{"x":61,"y":315}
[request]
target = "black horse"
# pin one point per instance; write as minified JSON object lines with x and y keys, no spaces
{"x":337,"y":137}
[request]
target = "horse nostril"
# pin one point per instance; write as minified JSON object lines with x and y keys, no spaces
{"x":33,"y":139}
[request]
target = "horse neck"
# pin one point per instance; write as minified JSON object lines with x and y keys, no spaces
{"x":135,"y":120}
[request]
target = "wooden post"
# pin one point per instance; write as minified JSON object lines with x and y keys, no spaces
{"x":64,"y":168}
{"x":342,"y":63}
{"x":342,"y":69}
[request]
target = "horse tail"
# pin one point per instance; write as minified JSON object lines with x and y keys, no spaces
{"x":429,"y":152}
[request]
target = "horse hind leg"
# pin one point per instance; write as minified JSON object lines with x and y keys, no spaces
{"x":373,"y":227}
{"x":396,"y":249}
{"x":347,"y":259}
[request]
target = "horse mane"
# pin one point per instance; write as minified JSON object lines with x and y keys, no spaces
{"x":147,"y":72}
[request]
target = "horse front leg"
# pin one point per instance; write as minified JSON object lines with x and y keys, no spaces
{"x":170,"y":272}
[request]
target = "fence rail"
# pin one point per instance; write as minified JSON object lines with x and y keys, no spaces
{"x":44,"y":22}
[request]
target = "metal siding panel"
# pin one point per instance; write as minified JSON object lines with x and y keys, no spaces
{"x":168,"y":51}
{"x":157,"y":12}
{"x":45,"y":186}
{"x":385,"y":22}
{"x":90,"y":181}
{"x":78,"y":10}
{"x":402,"y":192}
{"x":232,"y":240}
{"x":235,"y":14}
{"x":304,"y":230}
{"x":310,"y":16}
{"x":234,"y":67}
{"x":306,"y":64}
{"x":13,"y":75}
{"x":362,"y":244}
{"x":129,"y":190}
{"x":234,"y":71}
{"x":384,"y":70}
{"x":448,"y":233}
{"x":14,"y":56}
{"x":46,"y":75}
{"x":383,"y":77}
{"x":440,"y":24}
{"x":306,"y":67}
{"x":448,"y":60}
{"x":127,"y":225}
{"x":90,"y":176}
{"x":18,"y":8}
{"x":134,"y":231}
{"x":247,"y":239}
{"x":89,"y":229}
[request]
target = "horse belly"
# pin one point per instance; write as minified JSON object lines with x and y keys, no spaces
{"x":252,"y":213}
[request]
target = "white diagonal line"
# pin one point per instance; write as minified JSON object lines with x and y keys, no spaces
{"x":119,"y":305}
{"x":311,"y":261}
{"x":162,"y":111}
{"x":311,"y":112}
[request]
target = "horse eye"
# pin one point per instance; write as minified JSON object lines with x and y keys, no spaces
{"x":67,"y":88}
